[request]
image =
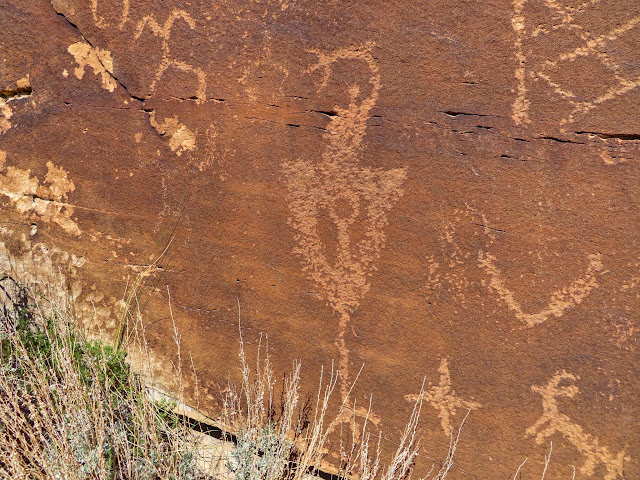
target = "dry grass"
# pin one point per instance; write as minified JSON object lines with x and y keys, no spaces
{"x":73,"y":409}
{"x":280,"y":437}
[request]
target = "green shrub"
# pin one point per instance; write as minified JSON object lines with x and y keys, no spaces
{"x":71,"y":408}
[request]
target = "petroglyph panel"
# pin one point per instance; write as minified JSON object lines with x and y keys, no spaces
{"x":429,"y":189}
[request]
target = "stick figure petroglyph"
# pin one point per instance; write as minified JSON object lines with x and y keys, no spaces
{"x":338,"y":188}
{"x":552,"y":421}
{"x":164,"y":32}
{"x":443,"y":397}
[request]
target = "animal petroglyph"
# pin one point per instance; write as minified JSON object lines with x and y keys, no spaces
{"x":561,"y":300}
{"x":100,"y":60}
{"x":563,"y":18}
{"x":443,"y":398}
{"x":552,"y":421}
{"x":181,"y":138}
{"x":46,"y":201}
{"x":167,"y":61}
{"x":338,"y":190}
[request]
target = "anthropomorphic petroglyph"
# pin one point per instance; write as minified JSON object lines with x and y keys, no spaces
{"x":562,"y":17}
{"x":167,"y":61}
{"x":552,"y":422}
{"x":443,"y":398}
{"x":337,"y":189}
{"x":44,"y":201}
{"x":561,"y":300}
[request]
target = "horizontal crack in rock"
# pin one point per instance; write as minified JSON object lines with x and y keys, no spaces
{"x":19,"y":92}
{"x":617,"y":136}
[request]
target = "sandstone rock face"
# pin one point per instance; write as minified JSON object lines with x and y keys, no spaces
{"x":439,"y":190}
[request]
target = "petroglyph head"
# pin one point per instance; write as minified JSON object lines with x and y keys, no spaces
{"x":561,"y":385}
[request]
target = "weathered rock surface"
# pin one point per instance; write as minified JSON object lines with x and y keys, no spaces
{"x":439,"y":189}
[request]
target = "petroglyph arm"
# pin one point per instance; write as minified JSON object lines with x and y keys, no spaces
{"x":561,"y":300}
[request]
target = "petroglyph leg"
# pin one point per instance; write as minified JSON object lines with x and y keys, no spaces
{"x":343,"y":361}
{"x":97,"y":19}
{"x":125,"y":13}
{"x":521,"y":104}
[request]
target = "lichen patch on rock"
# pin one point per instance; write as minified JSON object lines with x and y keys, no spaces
{"x":46,"y":201}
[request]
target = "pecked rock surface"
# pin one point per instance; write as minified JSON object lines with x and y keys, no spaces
{"x":437,"y":190}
